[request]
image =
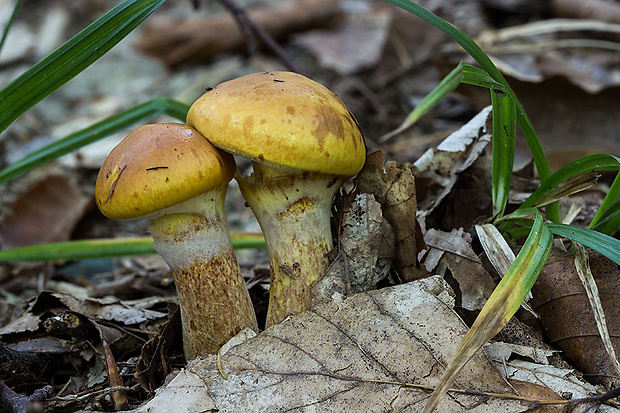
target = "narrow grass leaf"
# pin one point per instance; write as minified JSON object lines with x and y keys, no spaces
{"x":587,"y":164}
{"x":99,"y":130}
{"x":9,"y":24}
{"x":504,"y":135}
{"x":72,"y":58}
{"x":106,"y":248}
{"x":499,"y":254}
{"x":445,"y":87}
{"x":582,"y":265}
{"x":609,"y":219}
{"x":612,"y":197}
{"x":553,"y":210}
{"x":602,"y":243}
{"x":501,"y":305}
{"x":462,"y":73}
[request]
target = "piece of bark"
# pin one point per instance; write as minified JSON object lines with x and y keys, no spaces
{"x":197,"y":39}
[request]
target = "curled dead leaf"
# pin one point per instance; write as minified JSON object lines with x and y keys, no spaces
{"x":394,"y":188}
{"x":365,"y":252}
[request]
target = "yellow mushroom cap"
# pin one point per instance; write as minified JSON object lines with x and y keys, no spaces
{"x":282,"y":119}
{"x":157,"y":166}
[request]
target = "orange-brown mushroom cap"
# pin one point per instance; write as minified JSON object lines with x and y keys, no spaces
{"x":282,"y":119}
{"x":157,"y":166}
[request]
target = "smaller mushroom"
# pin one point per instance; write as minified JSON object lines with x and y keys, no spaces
{"x":171,"y":174}
{"x":304,"y":144}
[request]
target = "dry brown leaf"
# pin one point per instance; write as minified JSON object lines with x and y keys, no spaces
{"x":394,"y":188}
{"x":153,"y":365}
{"x":49,"y":303}
{"x":357,"y":44}
{"x":456,"y":190}
{"x":452,"y":251}
{"x":377,"y":351}
{"x":566,"y":315}
{"x":99,"y":309}
{"x":45,"y":212}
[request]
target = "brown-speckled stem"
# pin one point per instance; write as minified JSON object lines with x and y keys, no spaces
{"x":195,"y":243}
{"x":293,"y":210}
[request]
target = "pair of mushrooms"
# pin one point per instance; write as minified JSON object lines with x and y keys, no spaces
{"x":303,"y":143}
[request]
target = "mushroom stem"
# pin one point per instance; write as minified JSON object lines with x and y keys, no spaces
{"x":215,"y":303}
{"x":293,"y":210}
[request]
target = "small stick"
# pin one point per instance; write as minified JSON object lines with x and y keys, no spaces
{"x":247,"y":26}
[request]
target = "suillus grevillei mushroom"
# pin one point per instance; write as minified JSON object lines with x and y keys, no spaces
{"x":171,"y":174}
{"x":304,"y":144}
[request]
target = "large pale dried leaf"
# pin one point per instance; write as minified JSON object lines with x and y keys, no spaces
{"x":394,"y":188}
{"x":365,"y":252}
{"x":377,"y":351}
{"x":45,"y":212}
{"x":566,"y":315}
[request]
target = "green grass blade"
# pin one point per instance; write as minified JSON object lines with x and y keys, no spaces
{"x":71,"y":58}
{"x":504,"y":135}
{"x":5,"y":32}
{"x":462,"y":73}
{"x":99,"y":130}
{"x":587,"y":164}
{"x":445,"y":87}
{"x":501,"y":305}
{"x":609,"y":221}
{"x":479,"y":77}
{"x":105,"y":248}
{"x":604,"y":244}
{"x":553,"y":211}
{"x":612,"y":198}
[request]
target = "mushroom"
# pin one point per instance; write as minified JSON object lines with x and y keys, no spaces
{"x":304,"y":144}
{"x":173,"y":175}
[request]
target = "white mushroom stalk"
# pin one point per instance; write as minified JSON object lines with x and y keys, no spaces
{"x":293,"y":210}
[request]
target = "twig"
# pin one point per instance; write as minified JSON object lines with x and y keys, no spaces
{"x":247,"y":26}
{"x":600,"y":398}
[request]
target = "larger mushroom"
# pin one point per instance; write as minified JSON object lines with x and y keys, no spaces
{"x":304,"y":144}
{"x":173,"y":175}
